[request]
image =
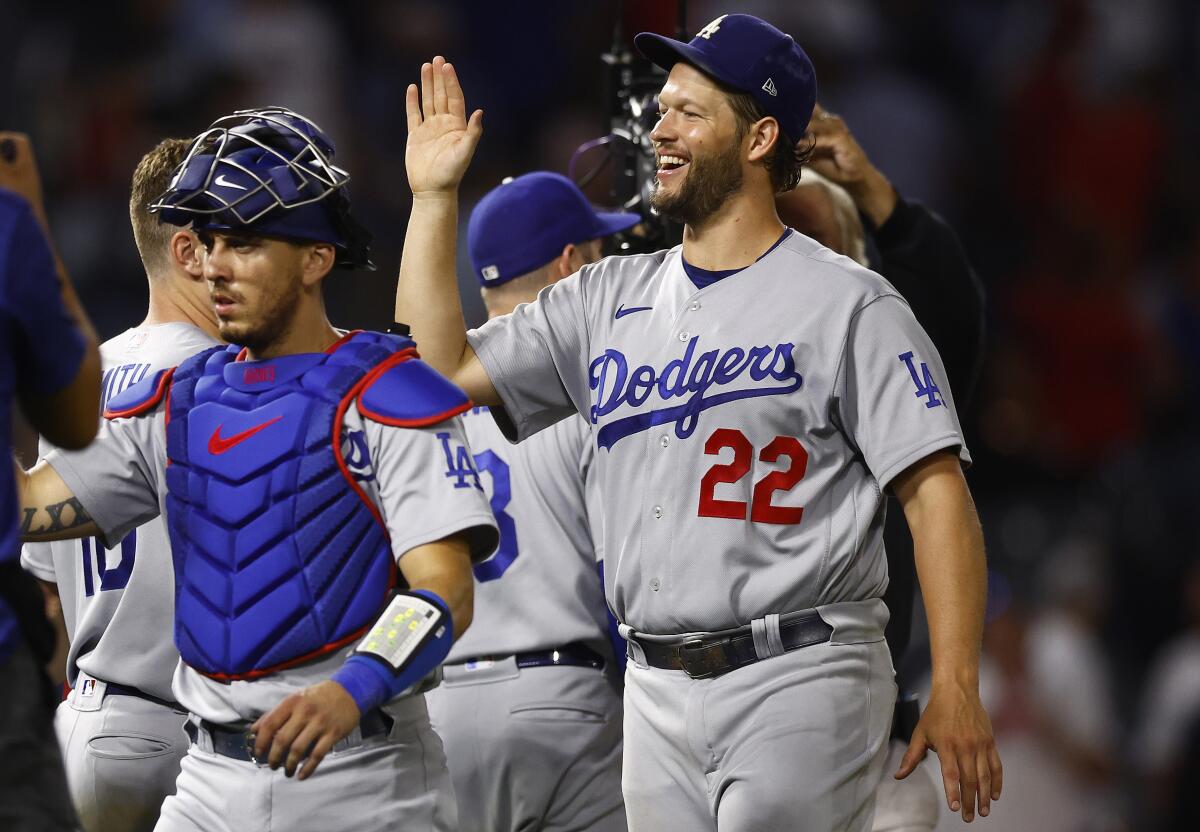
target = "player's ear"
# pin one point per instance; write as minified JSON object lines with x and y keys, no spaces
{"x":186,"y":251}
{"x":763,"y":135}
{"x":317,"y":261}
{"x":569,"y":261}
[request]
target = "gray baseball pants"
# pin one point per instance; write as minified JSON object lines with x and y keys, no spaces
{"x":397,"y":783}
{"x":534,"y":748}
{"x":122,"y":756}
{"x":793,"y":742}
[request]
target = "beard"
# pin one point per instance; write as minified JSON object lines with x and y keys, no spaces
{"x":708,"y":184}
{"x":259,"y":333}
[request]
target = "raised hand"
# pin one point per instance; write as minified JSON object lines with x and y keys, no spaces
{"x":441,"y":140}
{"x":838,"y":157}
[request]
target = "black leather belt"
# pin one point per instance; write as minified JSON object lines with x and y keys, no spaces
{"x":574,"y":654}
{"x":705,"y":658}
{"x":238,"y":743}
{"x":115,"y":689}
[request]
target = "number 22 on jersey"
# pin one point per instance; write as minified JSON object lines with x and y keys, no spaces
{"x":761,"y":509}
{"x":111,"y":577}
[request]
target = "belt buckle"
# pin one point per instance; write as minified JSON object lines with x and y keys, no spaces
{"x":701,"y":660}
{"x":248,"y":740}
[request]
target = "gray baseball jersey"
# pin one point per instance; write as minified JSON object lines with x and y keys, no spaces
{"x":744,"y":431}
{"x":541,"y":589}
{"x":118,"y":603}
{"x":120,"y":481}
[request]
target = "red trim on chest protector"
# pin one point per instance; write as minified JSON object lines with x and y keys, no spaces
{"x":149,"y":404}
{"x":419,"y":422}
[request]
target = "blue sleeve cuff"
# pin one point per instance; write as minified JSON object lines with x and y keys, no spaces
{"x":366,"y":680}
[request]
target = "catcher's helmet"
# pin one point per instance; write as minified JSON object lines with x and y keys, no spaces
{"x":268,"y":171}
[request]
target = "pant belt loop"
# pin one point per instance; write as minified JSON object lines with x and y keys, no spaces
{"x":633,"y":649}
{"x":774,"y":638}
{"x":758,"y":630}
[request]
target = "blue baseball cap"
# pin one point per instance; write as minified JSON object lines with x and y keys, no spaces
{"x":752,"y":56}
{"x":525,"y":223}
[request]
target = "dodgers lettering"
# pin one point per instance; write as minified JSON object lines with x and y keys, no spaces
{"x":615,"y":385}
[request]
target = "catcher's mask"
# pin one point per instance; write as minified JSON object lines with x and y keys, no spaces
{"x":267,"y":172}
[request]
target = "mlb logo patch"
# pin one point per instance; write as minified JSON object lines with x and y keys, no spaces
{"x":88,"y":688}
{"x":490,"y":272}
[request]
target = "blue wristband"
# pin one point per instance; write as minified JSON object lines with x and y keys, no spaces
{"x":371,"y":681}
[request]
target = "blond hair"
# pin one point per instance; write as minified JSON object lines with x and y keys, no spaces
{"x":151,"y":178}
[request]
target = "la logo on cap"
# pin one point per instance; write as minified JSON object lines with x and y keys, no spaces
{"x":711,"y":29}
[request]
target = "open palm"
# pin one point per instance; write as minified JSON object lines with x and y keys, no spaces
{"x":441,"y":140}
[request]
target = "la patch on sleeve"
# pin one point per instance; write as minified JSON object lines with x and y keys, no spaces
{"x":926,"y":387}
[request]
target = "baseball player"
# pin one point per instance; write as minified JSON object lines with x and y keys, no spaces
{"x":303,"y":475}
{"x":120,"y":729}
{"x":51,"y":366}
{"x":752,"y":395}
{"x":529,"y":707}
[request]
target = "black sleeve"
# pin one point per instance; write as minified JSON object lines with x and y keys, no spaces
{"x":922,"y":257}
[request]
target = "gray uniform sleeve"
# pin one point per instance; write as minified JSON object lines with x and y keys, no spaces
{"x":428,"y":490}
{"x":892,"y":396}
{"x":117,"y":479}
{"x":38,"y":560}
{"x":536,"y":357}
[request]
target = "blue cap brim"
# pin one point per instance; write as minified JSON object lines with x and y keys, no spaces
{"x":612,"y":223}
{"x":666,"y":52}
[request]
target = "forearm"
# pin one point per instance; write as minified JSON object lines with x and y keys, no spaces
{"x":48,"y":508}
{"x":874,"y":196}
{"x":951,"y":568}
{"x":427,"y":290}
{"x":458,"y":594}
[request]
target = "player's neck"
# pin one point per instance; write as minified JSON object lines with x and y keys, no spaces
{"x":308,"y":331}
{"x":169,"y":305}
{"x":735,"y":236}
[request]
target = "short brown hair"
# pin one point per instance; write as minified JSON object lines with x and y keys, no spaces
{"x":151,"y":178}
{"x":788,"y":156}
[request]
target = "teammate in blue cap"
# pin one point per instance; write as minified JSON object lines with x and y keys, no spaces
{"x":530,"y":706}
{"x":322,"y":549}
{"x":751,"y":395}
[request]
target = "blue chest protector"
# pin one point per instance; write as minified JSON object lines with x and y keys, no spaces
{"x":279,"y":554}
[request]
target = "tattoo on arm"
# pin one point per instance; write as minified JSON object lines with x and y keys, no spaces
{"x":60,"y":521}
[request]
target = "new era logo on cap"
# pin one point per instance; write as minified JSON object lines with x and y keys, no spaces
{"x":770,"y":88}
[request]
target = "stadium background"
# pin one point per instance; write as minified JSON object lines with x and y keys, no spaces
{"x":1057,"y":136}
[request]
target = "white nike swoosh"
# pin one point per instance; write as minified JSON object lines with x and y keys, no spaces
{"x":221,"y":180}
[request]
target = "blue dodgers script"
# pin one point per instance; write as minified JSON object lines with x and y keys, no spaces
{"x":689,"y":376}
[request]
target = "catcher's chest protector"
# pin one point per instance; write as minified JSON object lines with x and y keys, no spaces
{"x":279,"y":556}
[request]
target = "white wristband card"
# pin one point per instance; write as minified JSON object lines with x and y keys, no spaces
{"x":401,"y":630}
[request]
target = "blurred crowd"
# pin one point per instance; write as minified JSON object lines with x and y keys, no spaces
{"x":1053,"y":134}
